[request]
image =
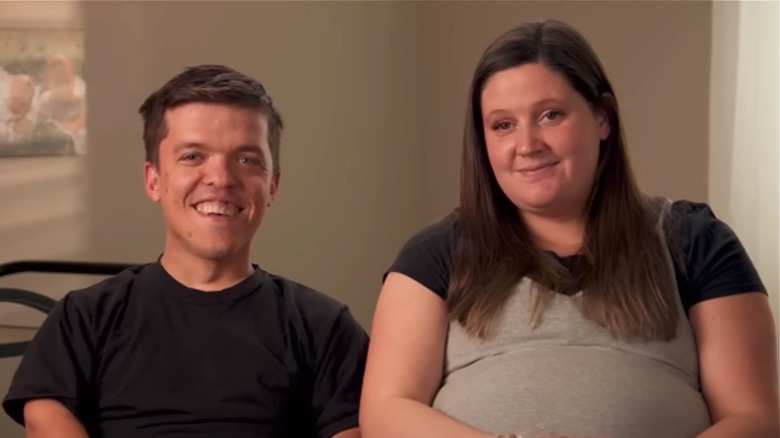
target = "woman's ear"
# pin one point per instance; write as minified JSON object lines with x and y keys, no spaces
{"x":604,"y":110}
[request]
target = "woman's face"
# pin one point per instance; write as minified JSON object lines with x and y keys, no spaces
{"x":542,"y":140}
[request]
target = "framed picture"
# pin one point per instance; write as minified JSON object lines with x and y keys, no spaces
{"x":42,"y":92}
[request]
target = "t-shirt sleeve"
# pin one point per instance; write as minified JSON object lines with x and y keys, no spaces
{"x":57,"y":364}
{"x":716,"y":263}
{"x":338,"y":375}
{"x":427,"y":256}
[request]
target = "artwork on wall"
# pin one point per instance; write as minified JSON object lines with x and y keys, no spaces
{"x":42,"y":92}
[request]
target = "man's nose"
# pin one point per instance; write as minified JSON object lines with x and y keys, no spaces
{"x":219,"y":172}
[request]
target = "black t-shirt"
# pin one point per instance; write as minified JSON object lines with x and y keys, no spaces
{"x":714,"y":262}
{"x":140,"y":355}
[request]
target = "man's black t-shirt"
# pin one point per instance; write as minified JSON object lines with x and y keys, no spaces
{"x":140,"y":355}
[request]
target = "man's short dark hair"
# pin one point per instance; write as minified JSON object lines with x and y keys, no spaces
{"x":208,"y":84}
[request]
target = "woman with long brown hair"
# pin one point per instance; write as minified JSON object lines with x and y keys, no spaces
{"x":559,"y":299}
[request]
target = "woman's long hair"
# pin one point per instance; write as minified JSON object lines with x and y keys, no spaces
{"x":627,"y":283}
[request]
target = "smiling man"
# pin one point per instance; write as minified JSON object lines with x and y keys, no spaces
{"x":201,"y":342}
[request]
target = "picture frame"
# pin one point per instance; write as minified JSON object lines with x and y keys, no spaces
{"x":43,"y":109}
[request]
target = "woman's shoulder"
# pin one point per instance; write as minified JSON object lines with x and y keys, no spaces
{"x":716,"y":263}
{"x":695,"y":223}
{"x":441,"y":232}
{"x":426,"y":257}
{"x":688,"y":210}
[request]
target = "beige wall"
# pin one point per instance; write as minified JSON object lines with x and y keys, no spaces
{"x":655,"y":53}
{"x":373,"y":96}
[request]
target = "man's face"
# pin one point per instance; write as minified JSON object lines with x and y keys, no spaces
{"x":214,"y":180}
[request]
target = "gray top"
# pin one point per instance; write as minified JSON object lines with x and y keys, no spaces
{"x":566,"y":375}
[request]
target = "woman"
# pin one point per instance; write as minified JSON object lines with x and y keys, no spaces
{"x":558,"y":299}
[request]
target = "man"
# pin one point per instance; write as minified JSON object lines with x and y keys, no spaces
{"x":200,"y":343}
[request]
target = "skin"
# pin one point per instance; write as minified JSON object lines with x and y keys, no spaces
{"x":543,"y":149}
{"x":20,"y":96}
{"x":61,"y":82}
{"x":214,"y":181}
{"x":19,"y":103}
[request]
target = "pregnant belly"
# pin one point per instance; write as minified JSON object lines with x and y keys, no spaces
{"x":580,"y":391}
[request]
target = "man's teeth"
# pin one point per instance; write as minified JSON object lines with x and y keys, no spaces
{"x":217,"y":208}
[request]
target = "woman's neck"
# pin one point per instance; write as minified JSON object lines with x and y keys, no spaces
{"x":563,"y":236}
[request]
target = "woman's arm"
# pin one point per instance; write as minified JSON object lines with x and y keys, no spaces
{"x":738,"y":361}
{"x":405,"y":364}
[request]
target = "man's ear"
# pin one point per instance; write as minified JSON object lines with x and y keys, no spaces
{"x":152,"y":181}
{"x":275,"y":180}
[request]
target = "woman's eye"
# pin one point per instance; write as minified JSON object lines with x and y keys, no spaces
{"x":502,"y":126}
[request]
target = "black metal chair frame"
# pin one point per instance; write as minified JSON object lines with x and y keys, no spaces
{"x":39,"y":301}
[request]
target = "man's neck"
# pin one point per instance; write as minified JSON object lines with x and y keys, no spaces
{"x":205,"y":274}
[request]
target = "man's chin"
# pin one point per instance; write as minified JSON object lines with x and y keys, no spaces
{"x":221,"y":251}
{"x":219,"y":254}
{"x":208,"y":245}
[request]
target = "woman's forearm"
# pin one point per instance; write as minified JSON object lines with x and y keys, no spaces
{"x":744,"y":426}
{"x":404,"y":418}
